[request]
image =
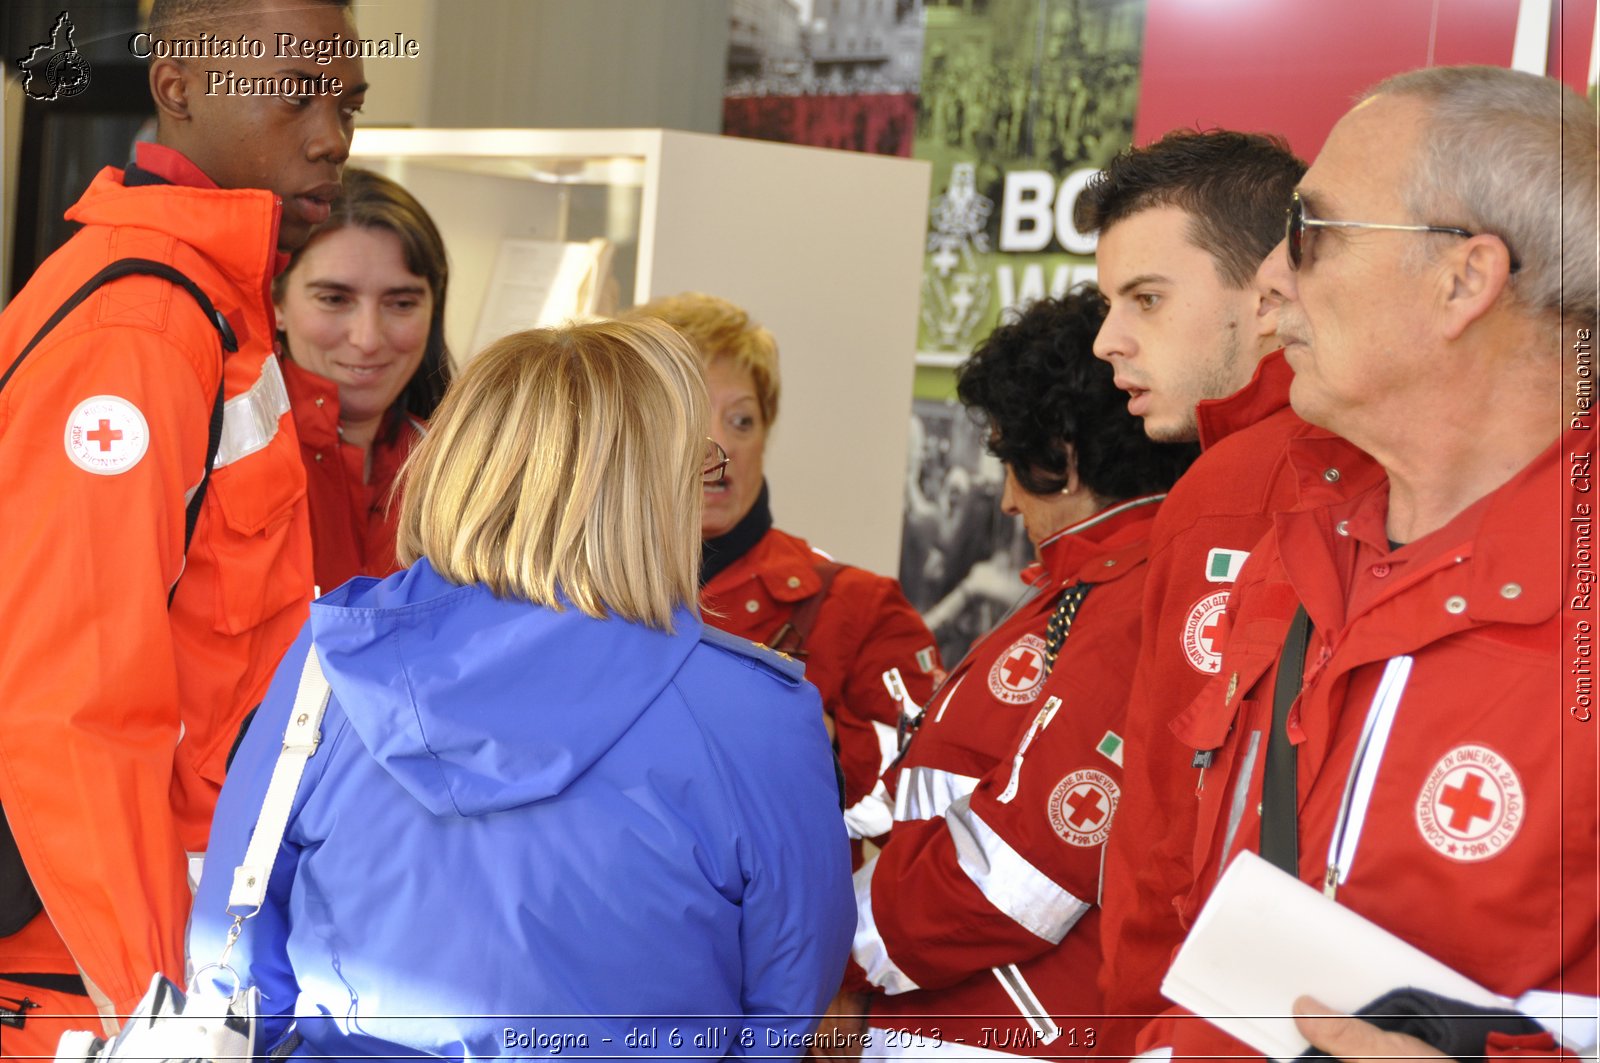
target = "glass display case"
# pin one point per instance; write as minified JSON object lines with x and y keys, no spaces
{"x":823,"y":247}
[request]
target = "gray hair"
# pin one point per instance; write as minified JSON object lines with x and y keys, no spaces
{"x":1513,"y":154}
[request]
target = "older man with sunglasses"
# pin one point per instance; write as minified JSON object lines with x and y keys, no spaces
{"x":1423,"y":770}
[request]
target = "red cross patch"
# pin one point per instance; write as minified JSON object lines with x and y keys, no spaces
{"x":1017,"y":675}
{"x":1471,"y":805}
{"x":106,"y":435}
{"x":1200,"y":631}
{"x":1081,"y":806}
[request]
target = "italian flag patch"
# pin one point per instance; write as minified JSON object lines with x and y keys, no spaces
{"x":1110,"y":747}
{"x":1222,"y":566}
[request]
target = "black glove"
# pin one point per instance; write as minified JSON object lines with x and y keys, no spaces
{"x":1454,"y":1028}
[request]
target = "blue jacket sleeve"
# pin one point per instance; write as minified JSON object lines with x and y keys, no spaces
{"x":260,"y":956}
{"x":798,"y":907}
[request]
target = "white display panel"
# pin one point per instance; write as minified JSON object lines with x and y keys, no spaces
{"x":823,"y":247}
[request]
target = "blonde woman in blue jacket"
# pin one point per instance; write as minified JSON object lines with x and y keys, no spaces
{"x":551,"y":812}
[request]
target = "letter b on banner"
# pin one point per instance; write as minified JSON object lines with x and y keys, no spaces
{"x":1027,"y":221}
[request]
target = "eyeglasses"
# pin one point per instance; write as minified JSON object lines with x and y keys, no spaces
{"x":1300,"y":243}
{"x":715,"y":465}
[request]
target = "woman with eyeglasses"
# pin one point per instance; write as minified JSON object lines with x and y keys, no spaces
{"x":850,"y":627}
{"x":976,"y":921}
{"x":551,"y":811}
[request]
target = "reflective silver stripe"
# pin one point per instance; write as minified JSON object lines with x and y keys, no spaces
{"x":924,"y":793}
{"x":1027,"y":1002}
{"x":868,"y":947}
{"x":1574,"y":1020}
{"x":1023,"y":893}
{"x":250,"y":419}
{"x":1103,"y":516}
{"x":946,"y":702}
{"x":1241,"y":791}
{"x":1369,"y":754}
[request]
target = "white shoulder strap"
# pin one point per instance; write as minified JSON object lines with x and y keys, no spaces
{"x":300,"y":740}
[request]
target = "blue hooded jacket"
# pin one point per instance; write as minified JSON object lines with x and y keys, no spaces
{"x":527,"y":831}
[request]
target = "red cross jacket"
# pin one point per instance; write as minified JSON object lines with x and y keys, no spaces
{"x":1212,"y":518}
{"x":1002,"y":803}
{"x":1474,"y":838}
{"x":117,"y":711}
{"x":865,"y":627}
{"x":353,"y":523}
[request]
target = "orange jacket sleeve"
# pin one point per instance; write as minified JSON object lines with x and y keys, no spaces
{"x":88,"y":684}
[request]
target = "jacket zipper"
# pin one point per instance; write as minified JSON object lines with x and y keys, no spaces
{"x":1364,"y":773}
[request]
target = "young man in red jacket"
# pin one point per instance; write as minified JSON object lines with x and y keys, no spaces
{"x":135,"y":648}
{"x":1184,"y":223}
{"x":1438,"y":266}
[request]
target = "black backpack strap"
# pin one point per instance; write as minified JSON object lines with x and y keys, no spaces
{"x":1280,"y":794}
{"x":125,"y":267}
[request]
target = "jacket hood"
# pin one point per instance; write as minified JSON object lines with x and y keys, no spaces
{"x":477,"y":704}
{"x":177,"y":212}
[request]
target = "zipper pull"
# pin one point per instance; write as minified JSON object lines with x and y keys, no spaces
{"x":1330,"y":882}
{"x":1324,"y":655}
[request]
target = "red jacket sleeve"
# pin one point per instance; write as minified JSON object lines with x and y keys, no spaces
{"x":868,"y":627}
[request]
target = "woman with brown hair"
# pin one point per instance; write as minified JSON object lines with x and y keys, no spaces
{"x":361,"y":338}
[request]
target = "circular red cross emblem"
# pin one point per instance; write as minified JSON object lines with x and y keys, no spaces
{"x":1081,"y":806}
{"x":1018,"y":673}
{"x":1471,"y":805}
{"x":1200,"y":631}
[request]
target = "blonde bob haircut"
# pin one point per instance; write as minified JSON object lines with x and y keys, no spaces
{"x":720,"y":329}
{"x":564,"y":466}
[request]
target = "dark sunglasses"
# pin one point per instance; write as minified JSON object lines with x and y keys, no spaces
{"x":1299,"y":243}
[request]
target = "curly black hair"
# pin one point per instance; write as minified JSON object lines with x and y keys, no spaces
{"x":1036,"y":385}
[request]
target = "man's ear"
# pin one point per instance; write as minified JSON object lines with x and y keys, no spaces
{"x":1268,"y":302}
{"x":170,"y":88}
{"x":1476,"y":274}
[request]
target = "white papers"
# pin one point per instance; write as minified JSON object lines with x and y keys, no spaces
{"x":541,"y":282}
{"x":1265,"y":938}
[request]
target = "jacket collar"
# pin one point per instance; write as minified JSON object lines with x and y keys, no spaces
{"x":1094,"y":550}
{"x":315,"y":401}
{"x":169,"y":165}
{"x":1510,"y":546}
{"x":230,"y":227}
{"x":1266,"y":394}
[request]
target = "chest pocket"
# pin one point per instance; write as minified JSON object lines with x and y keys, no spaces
{"x":256,"y":484}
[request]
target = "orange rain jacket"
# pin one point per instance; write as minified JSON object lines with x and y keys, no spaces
{"x":117,"y":712}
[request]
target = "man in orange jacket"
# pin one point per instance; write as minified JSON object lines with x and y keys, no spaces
{"x":132,"y":649}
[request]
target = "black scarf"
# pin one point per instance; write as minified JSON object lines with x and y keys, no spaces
{"x":717,"y":554}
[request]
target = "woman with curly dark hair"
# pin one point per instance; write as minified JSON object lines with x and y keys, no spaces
{"x":954,"y":916}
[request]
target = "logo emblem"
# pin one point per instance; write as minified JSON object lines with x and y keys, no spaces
{"x":1081,"y":806}
{"x":1200,"y":633}
{"x":955,"y":295}
{"x":1018,"y":674}
{"x":106,"y":435}
{"x":1471,"y":805}
{"x":55,"y":69}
